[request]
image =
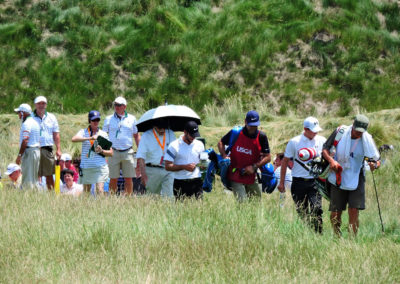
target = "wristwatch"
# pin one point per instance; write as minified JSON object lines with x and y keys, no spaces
{"x":19,"y":155}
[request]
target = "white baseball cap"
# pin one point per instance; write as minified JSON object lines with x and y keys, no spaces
{"x":120,"y":100}
{"x":12,"y":168}
{"x":66,"y":157}
{"x":312,"y":123}
{"x":40,"y":99}
{"x":24,"y":107}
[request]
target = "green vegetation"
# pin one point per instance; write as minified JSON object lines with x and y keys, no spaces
{"x":45,"y":238}
{"x":342,"y":54}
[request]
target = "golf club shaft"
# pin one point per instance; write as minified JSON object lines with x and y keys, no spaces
{"x":377,"y":200}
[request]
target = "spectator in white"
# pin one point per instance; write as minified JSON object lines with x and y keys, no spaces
{"x":70,"y":187}
{"x":121,"y":128}
{"x":306,"y":197}
{"x":49,"y":135}
{"x":66,"y":162}
{"x":150,"y":158}
{"x":277,"y":170}
{"x":93,"y":163}
{"x":29,"y":152}
{"x":182,"y":158}
{"x":15,"y":175}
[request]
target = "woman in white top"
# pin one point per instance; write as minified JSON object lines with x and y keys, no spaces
{"x":70,"y":187}
{"x":93,"y":163}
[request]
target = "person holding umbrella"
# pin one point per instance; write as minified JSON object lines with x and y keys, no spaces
{"x":150,"y":158}
{"x":121,"y":128}
{"x":158,"y":124}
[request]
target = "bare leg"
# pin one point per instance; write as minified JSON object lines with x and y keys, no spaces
{"x":353,"y":221}
{"x":100,"y":188}
{"x":87,"y":187}
{"x":128,"y":186}
{"x":49,"y":182}
{"x":336,"y":221}
{"x":113,"y":185}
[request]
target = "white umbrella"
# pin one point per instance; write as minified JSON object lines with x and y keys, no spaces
{"x":176,"y":115}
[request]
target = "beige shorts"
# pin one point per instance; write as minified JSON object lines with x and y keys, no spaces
{"x":125,"y":161}
{"x":94,"y":175}
{"x":47,"y":165}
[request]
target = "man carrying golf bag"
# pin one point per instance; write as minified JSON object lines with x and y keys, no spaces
{"x":346,"y":180}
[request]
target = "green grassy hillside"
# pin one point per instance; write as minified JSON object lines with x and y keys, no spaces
{"x":311,"y":56}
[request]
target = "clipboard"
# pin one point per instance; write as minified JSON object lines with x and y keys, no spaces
{"x":103,"y":142}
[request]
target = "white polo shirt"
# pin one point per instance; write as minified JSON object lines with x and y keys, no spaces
{"x":292,"y":151}
{"x":92,"y":159}
{"x":350,"y":176}
{"x":48,"y":125}
{"x":181,"y":153}
{"x":75,"y":190}
{"x":120,"y":130}
{"x":30,"y":129}
{"x":149,"y":150}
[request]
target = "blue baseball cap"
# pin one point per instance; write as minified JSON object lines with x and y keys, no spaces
{"x":252,"y":118}
{"x":94,"y":114}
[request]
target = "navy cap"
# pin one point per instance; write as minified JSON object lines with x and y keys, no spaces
{"x":94,"y":114}
{"x":252,"y":118}
{"x":192,"y":128}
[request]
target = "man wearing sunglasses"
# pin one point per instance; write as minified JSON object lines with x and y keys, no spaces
{"x":121,"y":129}
{"x":182,"y":158}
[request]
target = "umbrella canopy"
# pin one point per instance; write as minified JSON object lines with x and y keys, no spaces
{"x":177,"y":116}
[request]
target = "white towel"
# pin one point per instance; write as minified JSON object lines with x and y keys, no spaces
{"x":370,"y":150}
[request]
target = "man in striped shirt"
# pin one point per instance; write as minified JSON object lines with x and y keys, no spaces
{"x":29,"y":152}
{"x":121,"y":129}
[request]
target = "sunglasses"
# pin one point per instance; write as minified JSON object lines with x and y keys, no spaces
{"x":118,"y":105}
{"x":96,"y":120}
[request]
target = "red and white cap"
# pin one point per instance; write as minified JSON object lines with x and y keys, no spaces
{"x":307,"y":154}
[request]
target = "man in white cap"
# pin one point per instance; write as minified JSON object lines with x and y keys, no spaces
{"x":15,"y":175}
{"x":121,"y":129}
{"x":305,"y":195}
{"x":49,"y":135}
{"x":29,"y":152}
{"x":346,"y":181}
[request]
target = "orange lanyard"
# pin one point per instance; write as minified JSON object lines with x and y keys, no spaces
{"x":158,"y":140}
{"x":89,"y":130}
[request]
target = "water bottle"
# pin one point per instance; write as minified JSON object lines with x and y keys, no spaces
{"x":282,"y":196}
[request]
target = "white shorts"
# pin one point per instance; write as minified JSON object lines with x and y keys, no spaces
{"x":94,"y":175}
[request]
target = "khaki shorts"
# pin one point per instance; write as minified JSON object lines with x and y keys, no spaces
{"x":94,"y":175}
{"x":125,"y":161}
{"x":340,"y":198}
{"x":47,"y":165}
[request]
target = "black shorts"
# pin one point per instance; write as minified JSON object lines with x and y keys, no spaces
{"x":188,"y":188}
{"x":355,"y":198}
